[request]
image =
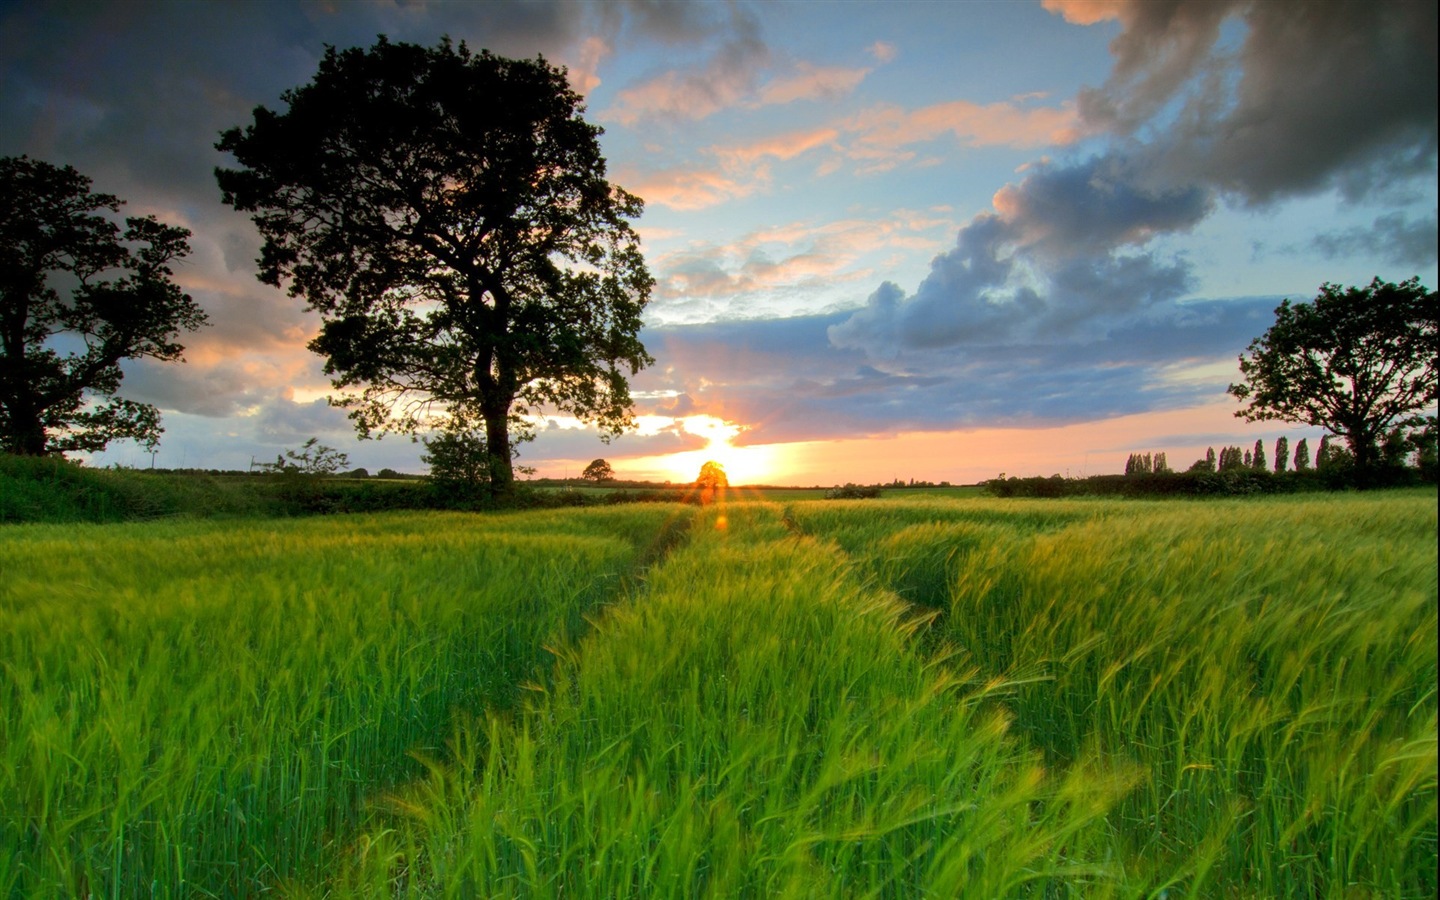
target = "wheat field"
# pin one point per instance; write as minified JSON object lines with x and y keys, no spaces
{"x":902,"y":697}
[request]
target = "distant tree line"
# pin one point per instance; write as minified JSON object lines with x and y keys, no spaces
{"x":1406,"y":457}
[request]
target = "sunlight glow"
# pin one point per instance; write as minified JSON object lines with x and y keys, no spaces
{"x":743,"y":465}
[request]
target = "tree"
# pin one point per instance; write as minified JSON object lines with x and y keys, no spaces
{"x":1232,"y":458}
{"x":1355,"y":361}
{"x":1257,"y":456}
{"x":77,"y":296}
{"x":1395,"y":448}
{"x":1330,"y":455}
{"x":1302,"y":456}
{"x":447,"y":214}
{"x":598,"y":470}
{"x":1282,"y":453}
{"x":712,"y":475}
{"x":459,"y":461}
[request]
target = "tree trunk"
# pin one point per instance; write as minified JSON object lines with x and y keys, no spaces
{"x":497,"y":446}
{"x":27,"y":436}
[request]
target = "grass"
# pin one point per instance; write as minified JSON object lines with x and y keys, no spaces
{"x":910,"y":696}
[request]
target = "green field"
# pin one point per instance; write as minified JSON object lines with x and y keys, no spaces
{"x":914,"y":696}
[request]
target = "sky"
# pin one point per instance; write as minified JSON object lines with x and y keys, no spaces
{"x":916,"y":240}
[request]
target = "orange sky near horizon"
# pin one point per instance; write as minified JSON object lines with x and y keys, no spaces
{"x":966,"y":456}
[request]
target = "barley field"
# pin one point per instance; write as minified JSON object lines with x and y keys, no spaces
{"x":904,"y":697}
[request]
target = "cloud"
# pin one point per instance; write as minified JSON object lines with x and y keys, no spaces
{"x":1061,"y":257}
{"x":1319,"y":96}
{"x":1393,"y":237}
{"x":810,"y":82}
{"x":788,"y":380}
{"x":740,"y":73}
{"x":794,"y":265}
{"x":883,"y":51}
{"x":689,"y":187}
{"x":724,"y":80}
{"x":787,"y":145}
{"x":282,"y":420}
{"x":1092,"y":206}
{"x":880,"y":133}
{"x":882,"y":137}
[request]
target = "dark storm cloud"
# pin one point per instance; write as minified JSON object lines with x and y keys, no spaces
{"x":1317,"y":95}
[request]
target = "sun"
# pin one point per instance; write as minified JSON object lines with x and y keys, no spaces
{"x":743,"y":465}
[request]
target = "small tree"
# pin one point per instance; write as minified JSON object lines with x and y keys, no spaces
{"x":1282,"y":453}
{"x":599,"y":470}
{"x":1355,"y":361}
{"x":1161,"y":466}
{"x":712,"y":475}
{"x":313,"y":458}
{"x":1302,"y":455}
{"x":1204,"y":465}
{"x":711,"y":480}
{"x":1257,"y":456}
{"x":459,"y":461}
{"x":77,"y":296}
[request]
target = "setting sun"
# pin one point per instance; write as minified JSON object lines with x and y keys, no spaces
{"x":743,"y":465}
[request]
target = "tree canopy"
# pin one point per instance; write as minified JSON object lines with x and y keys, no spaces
{"x":598,"y":470}
{"x":447,"y":214}
{"x":1355,"y":361}
{"x":77,"y":296}
{"x":712,"y":476}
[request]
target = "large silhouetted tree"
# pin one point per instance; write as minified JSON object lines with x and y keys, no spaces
{"x":79,"y":294}
{"x":1355,"y":361}
{"x":447,"y":214}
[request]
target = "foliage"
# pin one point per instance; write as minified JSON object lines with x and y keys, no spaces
{"x":598,"y":470}
{"x":1355,"y":361}
{"x":1302,"y":455}
{"x":712,"y":476}
{"x":1282,"y":454}
{"x":459,"y":461}
{"x":853,"y":492}
{"x":50,"y":489}
{"x":71,"y":278}
{"x":1146,"y":464}
{"x":448,"y":216}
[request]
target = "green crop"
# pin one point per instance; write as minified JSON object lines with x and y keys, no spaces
{"x":905,"y":697}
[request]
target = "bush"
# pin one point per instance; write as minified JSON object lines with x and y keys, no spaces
{"x":853,"y":492}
